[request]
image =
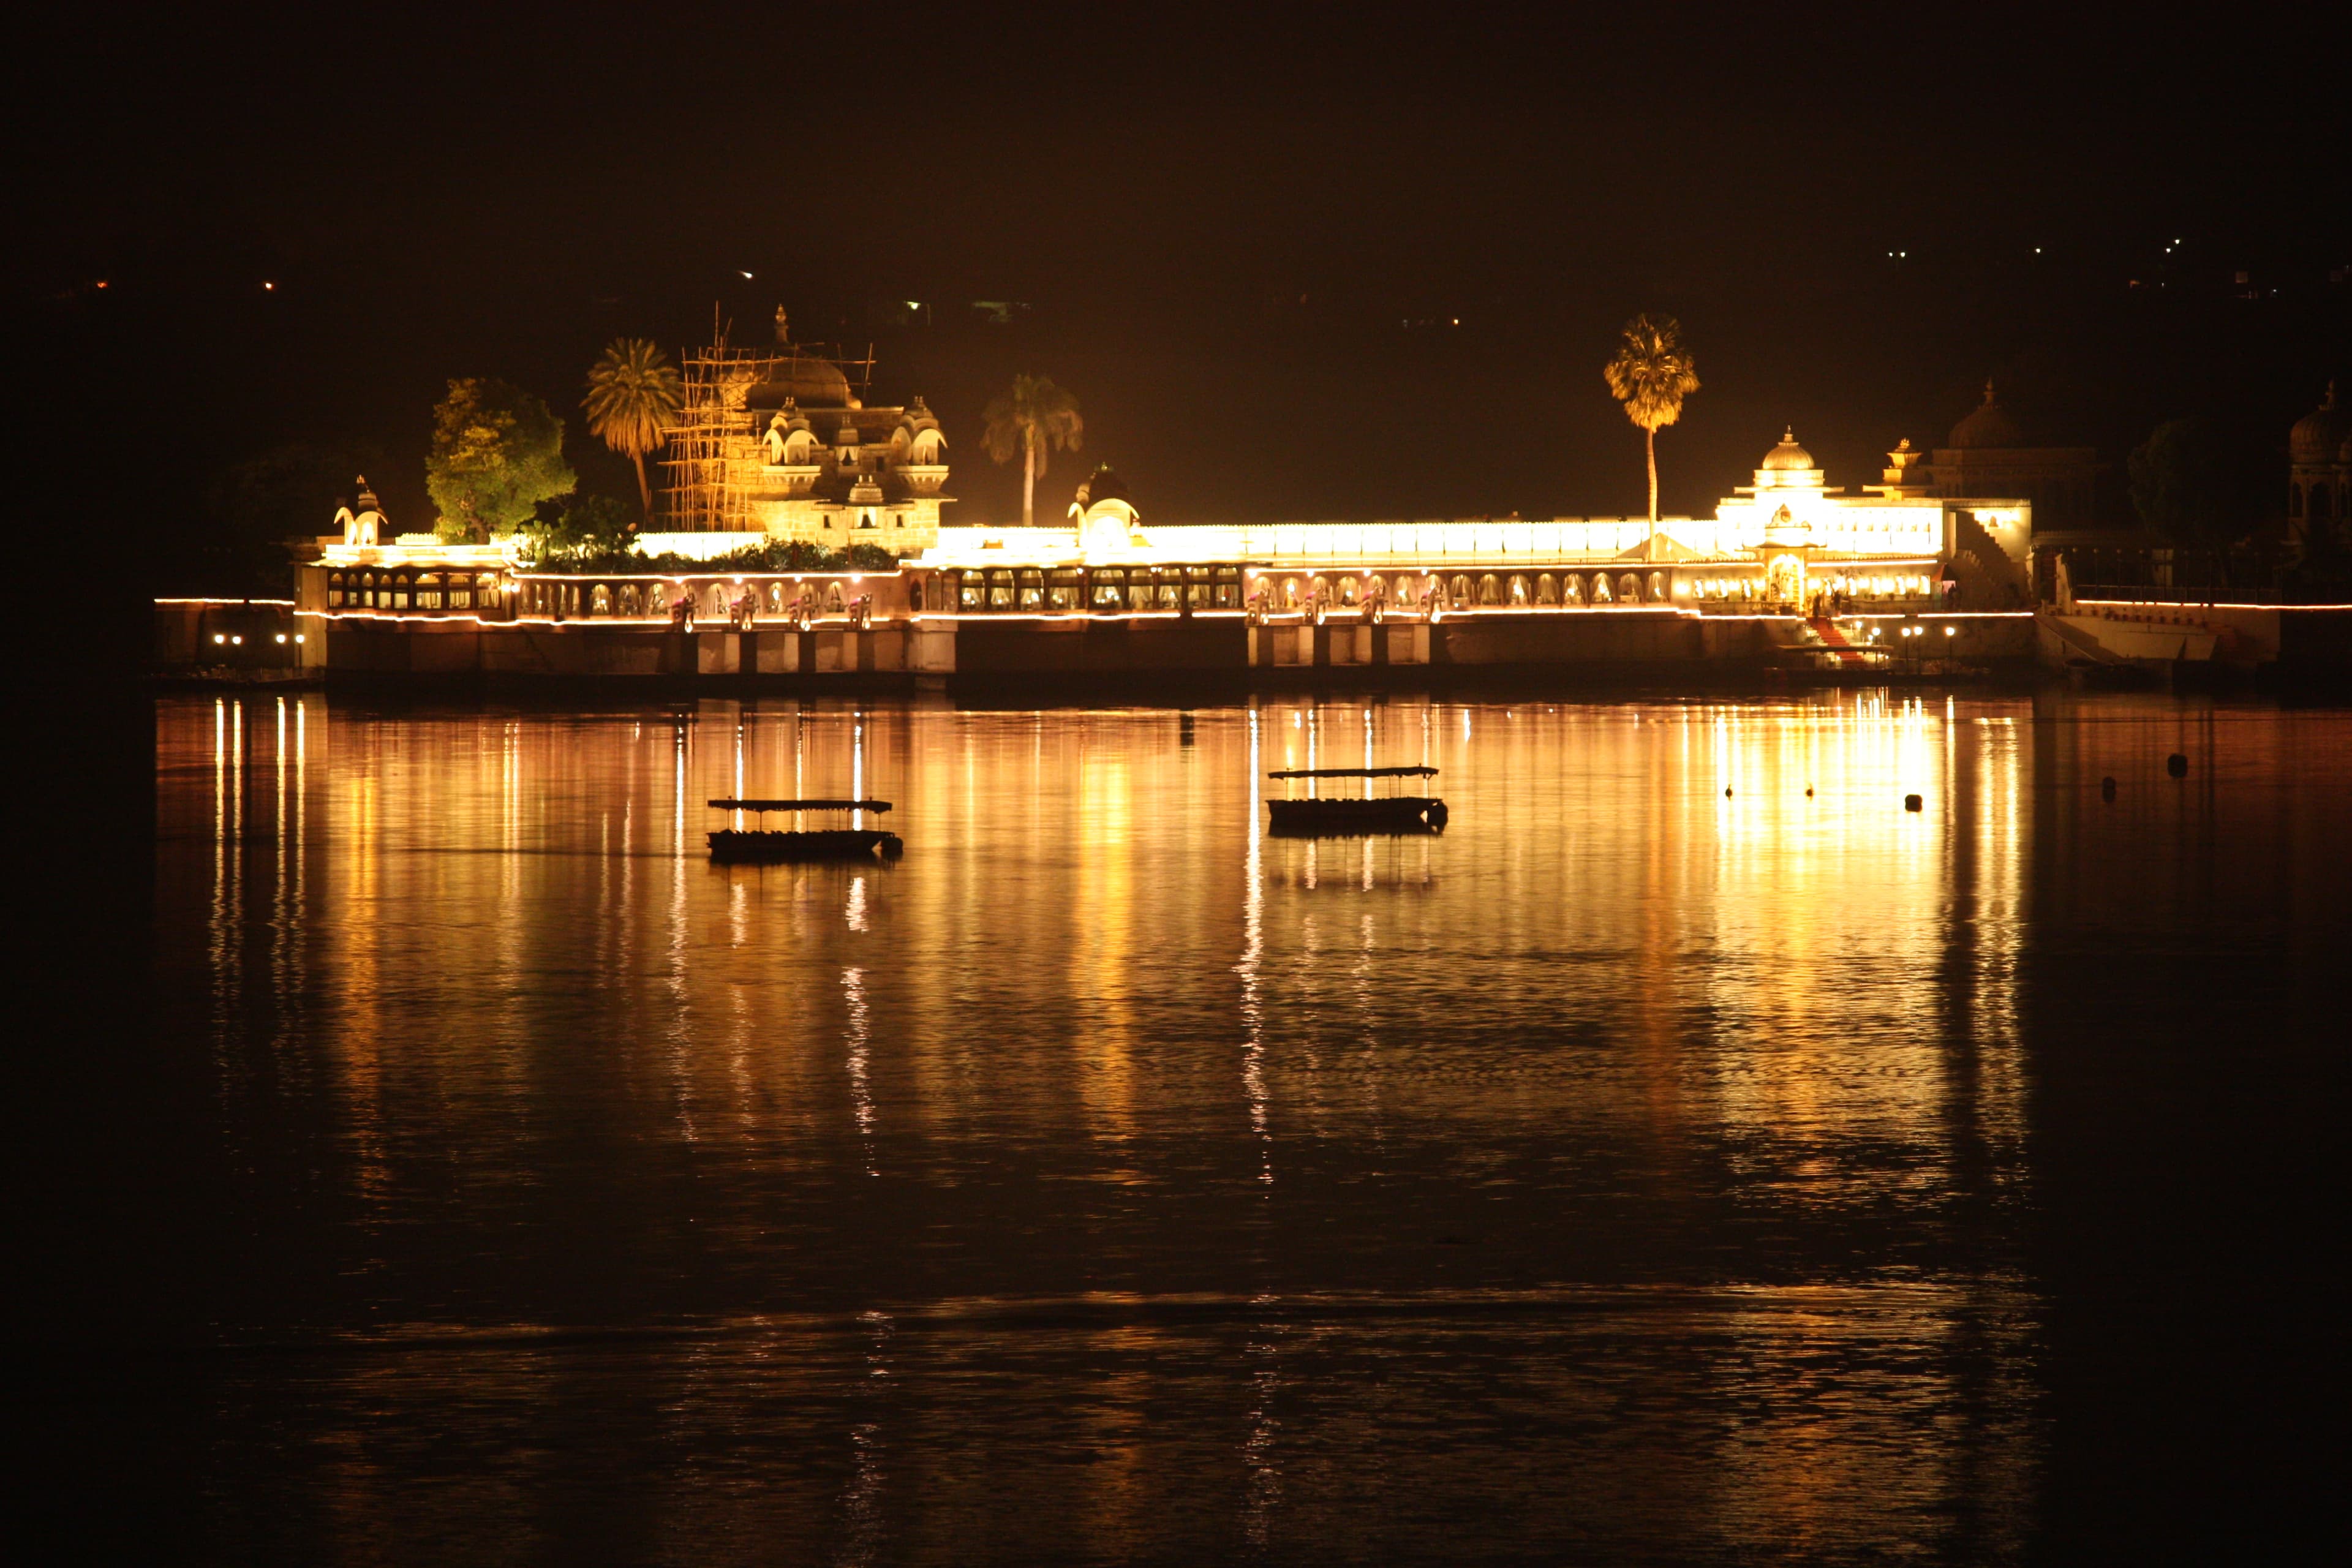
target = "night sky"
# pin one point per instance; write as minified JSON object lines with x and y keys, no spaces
{"x":1221,"y":223}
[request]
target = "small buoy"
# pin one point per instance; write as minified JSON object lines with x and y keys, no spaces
{"x":1808,"y":791}
{"x":2177,"y":766}
{"x":1911,"y":803}
{"x":1727,"y":792}
{"x":2107,"y":788}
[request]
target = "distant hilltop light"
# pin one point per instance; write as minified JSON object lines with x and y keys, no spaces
{"x":268,"y":287}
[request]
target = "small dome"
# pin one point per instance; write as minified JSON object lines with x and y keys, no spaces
{"x":1104,"y":485}
{"x":1989,"y":426}
{"x":1788,"y":456}
{"x":2318,"y":434}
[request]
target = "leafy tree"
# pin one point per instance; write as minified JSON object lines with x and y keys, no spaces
{"x":580,"y":528}
{"x":1028,"y":417}
{"x":496,"y":453}
{"x":1651,"y":376}
{"x":633,"y":396}
{"x":2181,"y":482}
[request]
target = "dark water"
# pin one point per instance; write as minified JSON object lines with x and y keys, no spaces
{"x":1638,"y":1173}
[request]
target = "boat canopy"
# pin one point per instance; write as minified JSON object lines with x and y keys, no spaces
{"x":1354,"y":772}
{"x":799,"y":805}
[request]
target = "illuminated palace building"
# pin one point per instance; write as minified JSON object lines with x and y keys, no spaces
{"x":778,"y":443}
{"x":1787,"y":543}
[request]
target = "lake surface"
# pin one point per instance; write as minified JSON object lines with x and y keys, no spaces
{"x":1692,"y":1155}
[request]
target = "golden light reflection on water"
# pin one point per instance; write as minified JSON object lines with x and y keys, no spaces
{"x":1684,"y":1001}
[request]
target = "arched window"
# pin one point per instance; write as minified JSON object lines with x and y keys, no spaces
{"x":1518,"y":588}
{"x":1657,"y":587}
{"x":2319,"y":500}
{"x":835,"y":604}
{"x":1490,"y":589}
{"x":1376,"y":590}
{"x":2295,"y":500}
{"x":1600,"y":594}
{"x":1571,"y":589}
{"x":334,"y":589}
{"x":1290,"y":594}
{"x":1458,"y":592}
{"x":1629,"y":589}
{"x":1404,"y":592}
{"x":1547,"y":589}
{"x":775,"y":598}
{"x":461,"y":591}
{"x":1347,"y":589}
{"x":400,"y":592}
{"x":600,"y":600}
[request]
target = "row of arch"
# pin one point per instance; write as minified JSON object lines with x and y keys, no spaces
{"x":1103,"y":590}
{"x":405,"y":590}
{"x":634,"y":600}
{"x":1461,"y":590}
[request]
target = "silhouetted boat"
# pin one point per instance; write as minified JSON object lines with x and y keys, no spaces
{"x":1355,"y":816}
{"x":737,"y":846}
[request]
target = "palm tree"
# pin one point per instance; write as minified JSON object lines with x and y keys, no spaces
{"x":633,"y":396}
{"x":1028,"y":417}
{"x":1651,"y":376}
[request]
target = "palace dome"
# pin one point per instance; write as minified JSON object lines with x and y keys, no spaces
{"x":2318,"y":434}
{"x":1788,"y":457}
{"x":1989,"y":426}
{"x":812,"y":382}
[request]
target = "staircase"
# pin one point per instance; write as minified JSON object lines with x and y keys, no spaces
{"x":1826,"y":629}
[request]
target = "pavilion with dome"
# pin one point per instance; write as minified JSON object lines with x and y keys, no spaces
{"x":1988,"y":453}
{"x":2319,"y":469}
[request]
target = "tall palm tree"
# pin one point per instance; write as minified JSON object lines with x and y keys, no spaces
{"x":1651,"y":376}
{"x":1028,"y":417}
{"x":633,"y":396}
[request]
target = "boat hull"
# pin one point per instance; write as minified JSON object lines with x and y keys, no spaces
{"x":730,"y":846}
{"x":1399,"y":814}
